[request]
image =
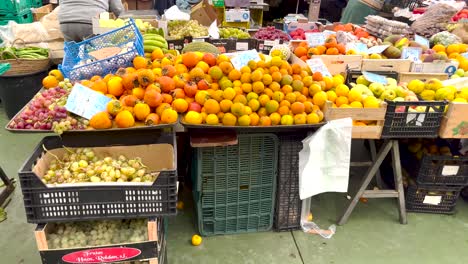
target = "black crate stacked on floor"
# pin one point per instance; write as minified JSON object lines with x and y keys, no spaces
{"x":234,"y":186}
{"x":288,"y":204}
{"x":439,"y":180}
{"x":47,"y":205}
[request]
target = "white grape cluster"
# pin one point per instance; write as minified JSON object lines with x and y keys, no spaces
{"x":229,"y":32}
{"x":179,"y":29}
{"x":82,"y":165}
{"x":97,"y":233}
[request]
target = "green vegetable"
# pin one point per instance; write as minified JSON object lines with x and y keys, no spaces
{"x":444,"y":38}
{"x":202,"y":47}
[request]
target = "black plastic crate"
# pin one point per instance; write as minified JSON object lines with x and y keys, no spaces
{"x":288,"y":204}
{"x":352,"y":75}
{"x":400,"y":122}
{"x":443,"y":170}
{"x":432,"y":199}
{"x":81,"y":203}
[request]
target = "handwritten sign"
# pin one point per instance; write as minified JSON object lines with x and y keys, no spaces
{"x":411,"y":53}
{"x":377,"y":49}
{"x":315,"y":39}
{"x":421,"y":40}
{"x":375,"y":78}
{"x":434,"y":200}
{"x":242,"y":58}
{"x":85,"y":102}
{"x":101,"y":255}
{"x":317,"y":65}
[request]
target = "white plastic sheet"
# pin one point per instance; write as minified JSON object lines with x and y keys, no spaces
{"x":325,"y":158}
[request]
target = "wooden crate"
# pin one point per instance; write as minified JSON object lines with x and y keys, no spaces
{"x":455,"y":121}
{"x":409,"y":76}
{"x":148,"y":250}
{"x":366,"y":114}
{"x":338,"y":64}
{"x":386,"y":65}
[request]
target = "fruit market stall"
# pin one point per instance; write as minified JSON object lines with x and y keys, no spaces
{"x":245,"y":103}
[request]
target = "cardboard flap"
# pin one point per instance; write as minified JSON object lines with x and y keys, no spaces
{"x":204,"y":13}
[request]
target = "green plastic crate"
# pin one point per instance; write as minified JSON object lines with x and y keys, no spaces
{"x":14,"y":6}
{"x":21,"y":18}
{"x":218,"y":3}
{"x":234,"y":188}
{"x":36,"y":3}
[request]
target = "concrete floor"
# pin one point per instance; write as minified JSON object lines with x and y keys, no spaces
{"x":372,"y":235}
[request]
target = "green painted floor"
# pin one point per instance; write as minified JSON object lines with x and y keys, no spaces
{"x":372,"y":235}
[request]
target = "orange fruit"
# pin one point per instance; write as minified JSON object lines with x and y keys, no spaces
{"x":283,"y":110}
{"x":140,"y":62}
{"x":317,"y":76}
{"x":115,"y":87}
{"x":229,"y":119}
{"x":300,"y":51}
{"x":169,"y":116}
{"x":258,"y":87}
{"x":212,"y":106}
{"x":264,"y":121}
{"x":141,"y":111}
{"x":99,"y":86}
{"x":271,"y":106}
{"x":320,"y":98}
{"x":124,"y":119}
{"x":254,"y":119}
{"x":297,"y":108}
{"x":341,"y":100}
{"x":100,"y":120}
{"x":190,"y":59}
{"x":157,"y":54}
{"x":152,"y":119}
{"x":50,"y":82}
{"x":275,"y":119}
{"x":300,"y":119}
{"x":238,"y":109}
{"x":234,"y":75}
{"x":138,"y":92}
{"x":180,"y":105}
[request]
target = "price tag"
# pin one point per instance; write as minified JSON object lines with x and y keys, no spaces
{"x":375,"y":78}
{"x":377,"y":49}
{"x":356,"y":46}
{"x":450,"y":170}
{"x":465,"y":55}
{"x":213,"y":30}
{"x":315,"y":39}
{"x":317,"y":65}
{"x":411,"y":53}
{"x":242,"y":58}
{"x":242,"y":46}
{"x":327,"y":33}
{"x":421,"y":40}
{"x":85,"y":102}
{"x":434,"y":200}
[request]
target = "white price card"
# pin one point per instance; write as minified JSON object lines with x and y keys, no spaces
{"x":412,"y":53}
{"x":450,"y":170}
{"x":242,"y":58}
{"x":377,"y":49}
{"x":85,"y":102}
{"x":356,"y":46}
{"x":434,"y":200}
{"x":327,"y":33}
{"x":315,"y":39}
{"x":213,"y":30}
{"x":375,"y":78}
{"x":317,"y":65}
{"x":465,"y":55}
{"x":421,"y":40}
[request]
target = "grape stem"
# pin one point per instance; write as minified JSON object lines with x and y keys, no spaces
{"x":53,"y":155}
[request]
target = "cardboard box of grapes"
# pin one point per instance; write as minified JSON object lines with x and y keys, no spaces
{"x":61,"y":182}
{"x":114,"y":241}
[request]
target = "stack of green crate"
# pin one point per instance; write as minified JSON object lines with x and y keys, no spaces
{"x":36,"y":3}
{"x":234,"y":186}
{"x":16,"y":10}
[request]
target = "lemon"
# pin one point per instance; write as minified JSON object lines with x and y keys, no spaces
{"x":212,"y":119}
{"x":196,"y":240}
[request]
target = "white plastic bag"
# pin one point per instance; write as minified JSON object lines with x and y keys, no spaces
{"x":325,"y":158}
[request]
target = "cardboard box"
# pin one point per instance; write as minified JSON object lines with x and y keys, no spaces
{"x":435,"y":67}
{"x":204,"y":13}
{"x":454,"y":124}
{"x":237,"y":15}
{"x":145,"y":4}
{"x":40,"y":12}
{"x":132,"y":4}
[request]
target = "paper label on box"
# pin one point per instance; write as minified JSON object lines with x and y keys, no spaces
{"x":434,"y":200}
{"x":100,"y":255}
{"x":421,"y":40}
{"x":315,"y":39}
{"x":242,"y":46}
{"x":377,"y":49}
{"x":85,"y":102}
{"x":375,"y":78}
{"x":412,"y":53}
{"x":242,"y":58}
{"x":448,"y":170}
{"x":327,"y":33}
{"x":317,"y":65}
{"x":270,"y":42}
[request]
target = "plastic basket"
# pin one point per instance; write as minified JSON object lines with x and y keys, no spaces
{"x":36,"y":3}
{"x":400,"y":122}
{"x":22,"y":17}
{"x":82,"y":203}
{"x":432,"y":199}
{"x":14,"y":6}
{"x":127,"y":37}
{"x":445,"y":170}
{"x":235,"y":185}
{"x":288,"y":204}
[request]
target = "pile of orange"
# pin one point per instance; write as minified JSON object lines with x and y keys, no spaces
{"x":331,"y":47}
{"x":454,"y":51}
